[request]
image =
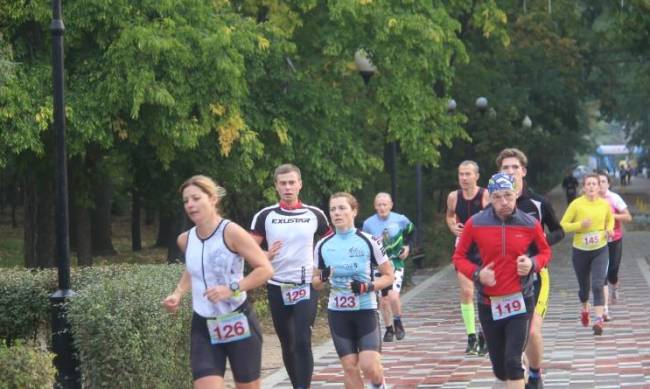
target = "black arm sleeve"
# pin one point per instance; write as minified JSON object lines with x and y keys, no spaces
{"x":555,"y":231}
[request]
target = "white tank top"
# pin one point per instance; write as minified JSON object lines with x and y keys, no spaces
{"x":211,"y":262}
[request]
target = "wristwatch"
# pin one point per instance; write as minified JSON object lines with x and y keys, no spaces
{"x":234,"y":287}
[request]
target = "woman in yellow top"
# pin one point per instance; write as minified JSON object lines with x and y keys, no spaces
{"x":590,"y":217}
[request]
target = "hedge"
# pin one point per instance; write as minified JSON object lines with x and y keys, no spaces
{"x":24,"y":297}
{"x":25,"y":367}
{"x":123,"y":336}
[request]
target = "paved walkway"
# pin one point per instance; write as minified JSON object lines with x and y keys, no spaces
{"x":432,"y":354}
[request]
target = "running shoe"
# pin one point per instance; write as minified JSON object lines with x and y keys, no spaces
{"x":607,"y":317}
{"x":471,"y":345}
{"x":614,"y":298}
{"x":399,"y":329}
{"x":380,"y":386}
{"x":584,"y":318}
{"x":389,"y":335}
{"x":534,"y":383}
{"x":598,"y":326}
{"x":482,"y":345}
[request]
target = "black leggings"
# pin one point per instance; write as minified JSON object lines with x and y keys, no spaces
{"x":506,"y":340}
{"x":293,"y":325}
{"x":615,"y":255}
{"x":591,"y":271}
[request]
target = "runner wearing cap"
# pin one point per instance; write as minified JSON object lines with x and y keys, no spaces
{"x":503,"y":235}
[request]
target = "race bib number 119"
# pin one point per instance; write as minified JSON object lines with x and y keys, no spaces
{"x":506,"y":306}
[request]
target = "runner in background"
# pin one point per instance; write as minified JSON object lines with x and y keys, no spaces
{"x":590,"y":217}
{"x":615,"y":245}
{"x":396,"y":231}
{"x":461,"y":205}
{"x":570,"y":185}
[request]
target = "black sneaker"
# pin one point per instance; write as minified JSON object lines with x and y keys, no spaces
{"x":399,"y":329}
{"x":534,"y":383}
{"x":388,"y":336}
{"x":471,"y":344}
{"x":482,"y":345}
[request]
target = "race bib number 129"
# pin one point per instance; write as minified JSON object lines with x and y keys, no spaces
{"x":292,"y":294}
{"x":228,"y":328}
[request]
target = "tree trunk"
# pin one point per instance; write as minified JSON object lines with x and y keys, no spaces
{"x":179,"y":224}
{"x":165,"y":229}
{"x":149,"y":216}
{"x":14,"y":194}
{"x":136,"y":239}
{"x":81,"y":236}
{"x":101,"y":232}
{"x":39,"y":222}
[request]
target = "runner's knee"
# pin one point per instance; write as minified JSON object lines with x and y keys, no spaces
{"x":513,"y":368}
{"x":499,"y":371}
{"x":599,"y":295}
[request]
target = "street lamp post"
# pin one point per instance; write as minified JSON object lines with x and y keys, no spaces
{"x":65,"y":360}
{"x":482,"y":104}
{"x":367,"y":69}
{"x":527,"y":123}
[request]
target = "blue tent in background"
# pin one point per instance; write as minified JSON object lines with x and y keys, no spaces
{"x":608,"y":156}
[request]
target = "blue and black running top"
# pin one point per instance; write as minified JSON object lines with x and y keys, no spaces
{"x":351,"y":254}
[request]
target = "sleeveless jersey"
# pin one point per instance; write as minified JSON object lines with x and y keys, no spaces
{"x":467,"y":208}
{"x":298,"y":229}
{"x":351,"y":255}
{"x":211,"y":262}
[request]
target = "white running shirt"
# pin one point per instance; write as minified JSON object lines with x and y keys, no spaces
{"x":298,"y":229}
{"x":211,"y":262}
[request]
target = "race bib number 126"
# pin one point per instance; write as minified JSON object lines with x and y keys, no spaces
{"x":228,"y":328}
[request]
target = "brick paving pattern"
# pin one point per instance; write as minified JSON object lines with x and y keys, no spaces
{"x":432,"y":354}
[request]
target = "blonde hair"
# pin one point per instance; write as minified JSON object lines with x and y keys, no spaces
{"x":206,"y":185}
{"x":512,"y":153}
{"x":354,"y":204}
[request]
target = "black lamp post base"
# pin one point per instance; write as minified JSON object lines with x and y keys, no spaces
{"x":65,"y":359}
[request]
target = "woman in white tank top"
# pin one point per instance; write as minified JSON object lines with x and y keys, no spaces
{"x":223,"y":324}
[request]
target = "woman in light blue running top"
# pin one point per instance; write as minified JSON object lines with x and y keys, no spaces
{"x":346,"y":259}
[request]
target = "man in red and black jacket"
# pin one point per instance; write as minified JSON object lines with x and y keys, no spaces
{"x":503,"y":236}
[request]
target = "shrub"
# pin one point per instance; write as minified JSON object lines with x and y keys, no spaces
{"x":24,"y":297}
{"x":24,"y":304}
{"x":123,"y":336}
{"x":25,"y":367}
